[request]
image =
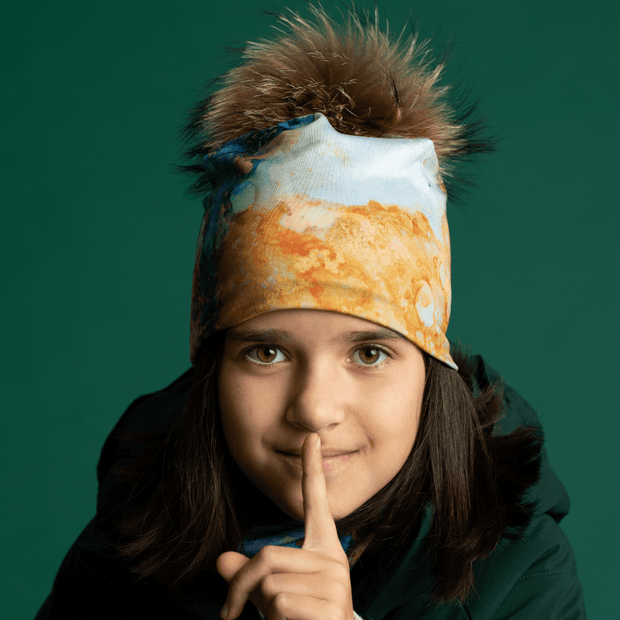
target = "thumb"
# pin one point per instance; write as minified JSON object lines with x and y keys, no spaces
{"x":229,"y":563}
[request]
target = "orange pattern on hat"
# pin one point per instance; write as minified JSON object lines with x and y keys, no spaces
{"x":377,"y":262}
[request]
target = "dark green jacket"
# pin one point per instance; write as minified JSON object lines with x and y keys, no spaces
{"x":527,"y":579}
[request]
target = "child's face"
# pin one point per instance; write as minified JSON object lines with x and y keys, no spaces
{"x":288,"y":373}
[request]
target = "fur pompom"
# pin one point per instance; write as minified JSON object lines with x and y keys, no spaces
{"x":362,"y":81}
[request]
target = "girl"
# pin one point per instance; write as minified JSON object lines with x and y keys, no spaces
{"x":329,"y":454}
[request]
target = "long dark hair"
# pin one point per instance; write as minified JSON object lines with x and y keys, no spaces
{"x":190,"y":502}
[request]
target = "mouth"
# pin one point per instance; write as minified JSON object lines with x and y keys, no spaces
{"x":332,"y":459}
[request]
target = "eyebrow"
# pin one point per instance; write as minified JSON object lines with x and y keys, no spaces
{"x":381,"y":333}
{"x":281,"y":335}
{"x":261,"y":335}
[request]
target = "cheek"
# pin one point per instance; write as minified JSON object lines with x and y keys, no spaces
{"x":245,"y":413}
{"x":397,"y":424}
{"x":399,"y":436}
{"x":235,"y":412}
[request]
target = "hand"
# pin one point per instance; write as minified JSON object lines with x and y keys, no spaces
{"x":311,"y":583}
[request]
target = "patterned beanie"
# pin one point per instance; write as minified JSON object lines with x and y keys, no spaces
{"x":306,"y":217}
{"x":323,"y":156}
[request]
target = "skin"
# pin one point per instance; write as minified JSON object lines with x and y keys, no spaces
{"x":291,"y":377}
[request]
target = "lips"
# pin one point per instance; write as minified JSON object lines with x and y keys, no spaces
{"x":333,"y":459}
{"x":325,"y":454}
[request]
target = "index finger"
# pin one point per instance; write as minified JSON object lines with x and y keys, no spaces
{"x":319,"y":524}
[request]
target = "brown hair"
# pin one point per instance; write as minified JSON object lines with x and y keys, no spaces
{"x":191,"y":501}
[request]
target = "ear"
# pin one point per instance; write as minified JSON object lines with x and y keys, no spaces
{"x":229,"y":563}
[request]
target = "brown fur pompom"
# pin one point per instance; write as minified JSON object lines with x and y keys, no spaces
{"x":362,"y":81}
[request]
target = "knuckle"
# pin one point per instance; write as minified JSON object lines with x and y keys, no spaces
{"x":280,"y":605}
{"x":268,"y":585}
{"x":342,"y":572}
{"x":266,"y":554}
{"x":336,"y":591}
{"x":338,"y":586}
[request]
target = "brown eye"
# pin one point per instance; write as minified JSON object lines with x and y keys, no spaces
{"x":371,"y":357}
{"x":265,"y":355}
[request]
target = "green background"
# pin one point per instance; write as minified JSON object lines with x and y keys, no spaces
{"x":98,"y":238}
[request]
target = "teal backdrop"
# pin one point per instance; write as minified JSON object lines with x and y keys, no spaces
{"x":98,"y":238}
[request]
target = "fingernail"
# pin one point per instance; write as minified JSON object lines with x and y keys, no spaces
{"x":224,"y":612}
{"x":317,"y":442}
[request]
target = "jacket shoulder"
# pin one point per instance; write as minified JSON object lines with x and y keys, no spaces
{"x":149,"y":413}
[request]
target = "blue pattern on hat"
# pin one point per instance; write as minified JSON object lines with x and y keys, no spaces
{"x":226,"y":180}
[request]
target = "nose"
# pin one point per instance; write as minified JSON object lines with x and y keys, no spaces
{"x":318,"y":397}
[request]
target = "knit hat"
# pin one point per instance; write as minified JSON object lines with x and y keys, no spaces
{"x":326,"y":203}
